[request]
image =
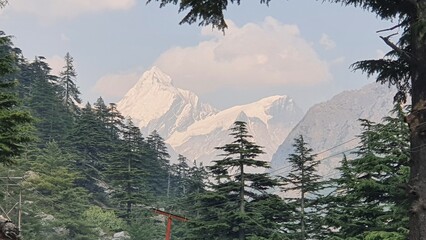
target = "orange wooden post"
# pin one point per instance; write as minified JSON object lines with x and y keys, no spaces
{"x":169,"y":228}
{"x":170,"y":218}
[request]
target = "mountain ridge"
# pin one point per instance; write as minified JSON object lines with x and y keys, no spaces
{"x":142,"y":105}
{"x":194,"y":128}
{"x":334,"y":124}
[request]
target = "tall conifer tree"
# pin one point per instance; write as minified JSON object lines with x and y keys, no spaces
{"x":69,"y":90}
{"x":371,"y":191}
{"x":238,"y":206}
{"x":304,"y":180}
{"x":54,"y":120}
{"x":126,"y":172}
{"x":157,"y":164}
{"x":14,"y":122}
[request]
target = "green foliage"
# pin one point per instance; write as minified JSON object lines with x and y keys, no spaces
{"x":53,"y":193}
{"x":180,"y":181}
{"x":238,"y":204}
{"x":103,"y":219}
{"x":207,"y":12}
{"x":53,"y":119}
{"x":403,"y":66}
{"x":69,"y":92}
{"x":110,"y":117}
{"x":126,"y":171}
{"x":83,"y":158}
{"x":370,"y":197}
{"x":303,"y":174}
{"x":385,"y":236}
{"x":305,"y":181}
{"x":145,"y":226}
{"x":15,"y":123}
{"x":157,"y":164}
{"x":91,"y":157}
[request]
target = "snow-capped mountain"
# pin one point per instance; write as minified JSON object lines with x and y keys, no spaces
{"x":334,"y":124}
{"x":268,"y":120}
{"x":154,"y":103}
{"x":194,"y":128}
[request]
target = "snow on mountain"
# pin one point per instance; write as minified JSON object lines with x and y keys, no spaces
{"x":268,"y":120}
{"x":334,"y":124}
{"x":154,"y":103}
{"x":194,"y":128}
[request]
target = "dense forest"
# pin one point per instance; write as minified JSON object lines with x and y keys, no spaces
{"x":83,"y":171}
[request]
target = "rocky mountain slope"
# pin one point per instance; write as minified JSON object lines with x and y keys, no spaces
{"x":269,"y":121}
{"x":331,"y":127}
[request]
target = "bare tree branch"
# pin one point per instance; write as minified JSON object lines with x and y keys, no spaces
{"x":401,"y":52}
{"x":391,"y":28}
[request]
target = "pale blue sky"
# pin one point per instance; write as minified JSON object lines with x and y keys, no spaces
{"x":298,"y":48}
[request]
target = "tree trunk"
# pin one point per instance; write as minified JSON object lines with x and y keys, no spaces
{"x":417,"y":123}
{"x":417,"y":181}
{"x":242,"y":210}
{"x":302,"y":207}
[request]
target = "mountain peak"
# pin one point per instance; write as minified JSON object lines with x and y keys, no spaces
{"x":155,"y":104}
{"x":155,"y":76}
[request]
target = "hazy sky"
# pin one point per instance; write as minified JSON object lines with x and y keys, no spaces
{"x":300,"y":48}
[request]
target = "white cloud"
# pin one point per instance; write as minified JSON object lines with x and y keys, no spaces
{"x":57,"y":9}
{"x":56,"y":63}
{"x":270,"y":53}
{"x":115,"y":85}
{"x":326,"y":42}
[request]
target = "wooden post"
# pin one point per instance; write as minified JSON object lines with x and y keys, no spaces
{"x":169,"y":228}
{"x":170,"y":218}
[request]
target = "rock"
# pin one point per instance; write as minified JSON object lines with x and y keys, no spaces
{"x":8,"y":230}
{"x":121,"y":236}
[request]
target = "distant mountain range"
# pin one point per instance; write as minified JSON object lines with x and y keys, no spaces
{"x":194,"y":128}
{"x":332,"y":127}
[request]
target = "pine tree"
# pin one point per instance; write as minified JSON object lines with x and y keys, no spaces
{"x":197,"y":178}
{"x":372,"y":186}
{"x":53,"y":118}
{"x":341,"y":205}
{"x":180,"y":177}
{"x":91,"y":141}
{"x":114,"y":120}
{"x":305,"y":181}
{"x":238,"y":206}
{"x":69,"y":91}
{"x":396,"y":148}
{"x":157,"y":164}
{"x":110,"y":117}
{"x":52,"y":191}
{"x":126,"y":172}
{"x":15,"y":123}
